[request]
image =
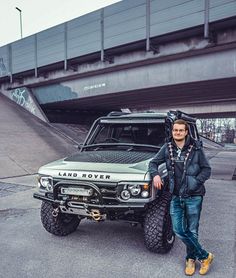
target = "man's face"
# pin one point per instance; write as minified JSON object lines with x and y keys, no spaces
{"x":179,"y":132}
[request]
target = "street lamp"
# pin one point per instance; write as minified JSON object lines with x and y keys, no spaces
{"x":19,"y":10}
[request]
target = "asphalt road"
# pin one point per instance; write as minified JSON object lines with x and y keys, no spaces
{"x":111,"y":249}
{"x":101,"y":250}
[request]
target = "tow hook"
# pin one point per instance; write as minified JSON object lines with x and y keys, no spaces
{"x":95,"y":214}
{"x":55,"y":212}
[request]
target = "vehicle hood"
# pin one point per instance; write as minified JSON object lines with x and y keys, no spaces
{"x":113,"y":166}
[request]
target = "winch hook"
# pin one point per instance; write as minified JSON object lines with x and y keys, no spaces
{"x":55,"y":212}
{"x":95,"y":214}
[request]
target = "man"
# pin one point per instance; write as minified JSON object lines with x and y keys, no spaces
{"x":188,"y":169}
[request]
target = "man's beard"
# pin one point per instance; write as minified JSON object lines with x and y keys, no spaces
{"x":179,"y":140}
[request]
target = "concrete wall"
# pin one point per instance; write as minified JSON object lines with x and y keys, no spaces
{"x":207,"y":67}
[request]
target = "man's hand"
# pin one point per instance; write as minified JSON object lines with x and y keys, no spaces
{"x":157,"y":182}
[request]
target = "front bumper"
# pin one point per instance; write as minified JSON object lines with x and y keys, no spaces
{"x":101,"y":203}
{"x":67,"y":203}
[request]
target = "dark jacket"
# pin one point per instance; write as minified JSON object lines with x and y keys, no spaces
{"x":197,"y":171}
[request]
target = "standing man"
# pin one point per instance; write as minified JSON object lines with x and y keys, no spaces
{"x":188,"y":169}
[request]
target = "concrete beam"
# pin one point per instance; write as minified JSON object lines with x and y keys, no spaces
{"x":187,"y":73}
{"x":155,"y":76}
{"x":204,"y":110}
{"x":167,"y":51}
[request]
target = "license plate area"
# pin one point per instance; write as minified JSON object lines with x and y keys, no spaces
{"x":77,"y":191}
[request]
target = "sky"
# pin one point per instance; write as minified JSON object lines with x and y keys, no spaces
{"x":38,"y":15}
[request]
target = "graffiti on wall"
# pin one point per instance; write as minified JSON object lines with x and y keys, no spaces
{"x":22,"y":97}
{"x":3,"y":69}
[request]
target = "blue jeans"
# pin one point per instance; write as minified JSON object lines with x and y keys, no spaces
{"x":185,"y":214}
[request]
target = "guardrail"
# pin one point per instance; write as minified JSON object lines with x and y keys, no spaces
{"x":123,"y":23}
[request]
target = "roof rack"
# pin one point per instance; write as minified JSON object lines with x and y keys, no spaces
{"x":176,"y":114}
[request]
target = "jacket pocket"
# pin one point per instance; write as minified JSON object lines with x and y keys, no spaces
{"x":192,"y":184}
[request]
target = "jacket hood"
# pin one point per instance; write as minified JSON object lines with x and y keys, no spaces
{"x":196,"y":143}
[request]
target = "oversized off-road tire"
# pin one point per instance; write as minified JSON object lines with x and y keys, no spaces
{"x":158,"y":233}
{"x":60,"y":225}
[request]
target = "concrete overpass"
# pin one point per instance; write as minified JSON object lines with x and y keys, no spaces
{"x":191,"y":68}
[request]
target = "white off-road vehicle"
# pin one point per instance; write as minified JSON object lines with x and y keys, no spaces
{"x":108,"y":178}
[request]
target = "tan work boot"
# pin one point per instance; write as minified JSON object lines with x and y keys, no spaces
{"x":205,"y":264}
{"x":190,"y":267}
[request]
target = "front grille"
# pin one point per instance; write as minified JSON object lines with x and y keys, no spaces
{"x":108,"y":192}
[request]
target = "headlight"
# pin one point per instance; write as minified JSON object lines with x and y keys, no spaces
{"x":46,"y":183}
{"x":144,"y":194}
{"x":125,"y":194}
{"x":134,"y":189}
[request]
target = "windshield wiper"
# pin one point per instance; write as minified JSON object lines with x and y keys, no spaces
{"x":129,"y":145}
{"x":142,"y":146}
{"x":105,"y":145}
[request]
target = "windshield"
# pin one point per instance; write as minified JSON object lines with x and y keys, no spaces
{"x":144,"y":133}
